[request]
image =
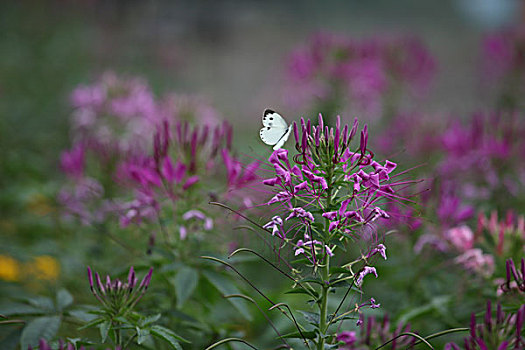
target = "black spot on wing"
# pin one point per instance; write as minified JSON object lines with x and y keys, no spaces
{"x":268,"y":111}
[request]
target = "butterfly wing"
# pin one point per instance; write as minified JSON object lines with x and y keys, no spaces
{"x":283,"y":139}
{"x":270,"y":135}
{"x":275,"y":131}
{"x":273,"y":119}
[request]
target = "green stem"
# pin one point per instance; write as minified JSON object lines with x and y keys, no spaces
{"x":323,"y":324}
{"x":325,"y":272}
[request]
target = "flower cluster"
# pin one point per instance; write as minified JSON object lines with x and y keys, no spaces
{"x":115,"y":114}
{"x":328,"y":180}
{"x":174,"y":167}
{"x":500,"y":332}
{"x":138,"y":180}
{"x":332,"y":195}
{"x":117,"y":297}
{"x":478,"y":165}
{"x":479,"y":157}
{"x":370,"y":73}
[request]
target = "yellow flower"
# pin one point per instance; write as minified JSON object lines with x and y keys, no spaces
{"x":44,"y":267}
{"x":9,"y":268}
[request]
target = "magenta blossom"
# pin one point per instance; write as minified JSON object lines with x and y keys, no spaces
{"x":308,"y":245}
{"x":275,"y":225}
{"x":366,"y":270}
{"x":195,"y":218}
{"x":474,"y":260}
{"x":360,"y":74}
{"x":461,"y":237}
{"x":73,"y":162}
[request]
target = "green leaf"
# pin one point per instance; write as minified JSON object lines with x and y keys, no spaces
{"x":306,"y":335}
{"x":342,"y":283}
{"x":41,"y":327}
{"x":337,"y":269}
{"x":142,"y":335}
{"x":312,"y":317}
{"x":82,"y":315}
{"x":301,"y":290}
{"x":93,"y":323}
{"x":64,"y":299}
{"x":436,"y":303}
{"x":312,"y":280}
{"x":104,"y":330}
{"x":149,"y":320}
{"x":43,"y":303}
{"x":15,"y":309}
{"x":168,"y":335}
{"x":185,"y":283}
{"x":227,"y":288}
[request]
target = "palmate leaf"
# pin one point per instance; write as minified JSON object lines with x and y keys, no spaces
{"x":41,"y":327}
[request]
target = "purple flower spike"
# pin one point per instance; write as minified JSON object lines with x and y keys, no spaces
{"x":317,"y":136}
{"x":344,"y":135}
{"x":503,"y":346}
{"x":131,"y":278}
{"x":296,"y":134}
{"x":364,"y":139}
{"x":337,"y":135}
{"x":488,"y":316}
{"x":100,"y":286}
{"x":146,"y":280}
{"x":321,"y":121}
{"x":90,"y":277}
{"x":354,"y":130}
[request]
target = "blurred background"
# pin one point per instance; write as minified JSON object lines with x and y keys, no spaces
{"x":232,"y":52}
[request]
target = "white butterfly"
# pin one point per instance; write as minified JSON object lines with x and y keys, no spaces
{"x":275,"y":131}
